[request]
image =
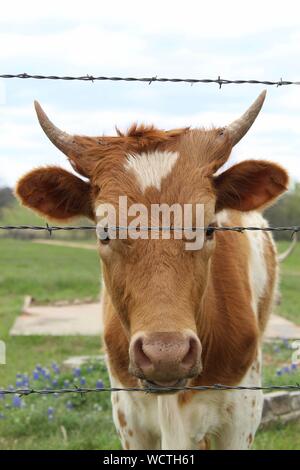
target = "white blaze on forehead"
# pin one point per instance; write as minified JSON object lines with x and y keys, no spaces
{"x":150,"y":168}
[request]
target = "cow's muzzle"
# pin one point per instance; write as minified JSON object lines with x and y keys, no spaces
{"x":165,"y":359}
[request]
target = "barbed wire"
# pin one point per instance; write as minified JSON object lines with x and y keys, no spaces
{"x":92,"y":78}
{"x":54,"y":228}
{"x":152,"y":389}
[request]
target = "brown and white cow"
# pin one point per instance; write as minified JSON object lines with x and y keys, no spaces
{"x":171,"y":316}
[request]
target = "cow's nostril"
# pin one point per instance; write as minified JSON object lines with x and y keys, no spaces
{"x":192,"y":355}
{"x":140,"y":357}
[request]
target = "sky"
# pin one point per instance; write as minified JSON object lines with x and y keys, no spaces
{"x":231,"y":39}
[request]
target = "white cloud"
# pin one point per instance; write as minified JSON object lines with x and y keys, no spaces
{"x":233,"y":39}
{"x":193,"y":18}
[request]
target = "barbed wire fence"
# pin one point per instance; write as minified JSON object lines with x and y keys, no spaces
{"x":93,"y":78}
{"x":153,"y":389}
{"x":54,"y":228}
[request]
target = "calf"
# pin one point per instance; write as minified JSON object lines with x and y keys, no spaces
{"x":174,"y":316}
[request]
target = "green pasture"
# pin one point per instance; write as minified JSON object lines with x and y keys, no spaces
{"x":73,"y":422}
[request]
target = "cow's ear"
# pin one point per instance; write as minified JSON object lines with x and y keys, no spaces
{"x":55,"y":193}
{"x":250,"y":185}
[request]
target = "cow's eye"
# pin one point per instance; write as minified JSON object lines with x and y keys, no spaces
{"x":210,"y":231}
{"x":103,"y":236}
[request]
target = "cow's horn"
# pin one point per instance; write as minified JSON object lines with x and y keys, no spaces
{"x":62,"y":140}
{"x":238,"y":128}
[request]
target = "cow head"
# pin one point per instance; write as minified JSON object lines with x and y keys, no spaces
{"x":156,"y":286}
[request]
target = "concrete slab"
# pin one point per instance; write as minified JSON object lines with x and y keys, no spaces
{"x":59,"y":320}
{"x":78,"y":361}
{"x":279,"y":327}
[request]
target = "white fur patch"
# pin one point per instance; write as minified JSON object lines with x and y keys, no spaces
{"x":150,"y":168}
{"x":172,"y":425}
{"x":258,"y":274}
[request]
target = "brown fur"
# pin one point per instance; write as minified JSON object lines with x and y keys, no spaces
{"x":155,"y":285}
{"x":122,"y":419}
{"x":55,"y":193}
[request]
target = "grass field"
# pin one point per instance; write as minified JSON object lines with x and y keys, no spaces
{"x":39,"y":422}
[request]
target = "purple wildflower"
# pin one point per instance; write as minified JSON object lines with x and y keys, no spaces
{"x":99,"y":384}
{"x":279,"y":372}
{"x":35,"y":375}
{"x":77,"y":372}
{"x":17,"y":402}
{"x":69,"y":405}
{"x":82,"y":381}
{"x":25,"y":382}
{"x":55,"y":368}
{"x":50,"y":412}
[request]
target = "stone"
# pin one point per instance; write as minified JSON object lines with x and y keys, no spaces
{"x":280,"y":403}
{"x":295,"y":400}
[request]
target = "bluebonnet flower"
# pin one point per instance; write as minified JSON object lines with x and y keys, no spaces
{"x":35,"y":375}
{"x":19,"y":383}
{"x":55,"y":382}
{"x":279,"y":372}
{"x":69,"y":405}
{"x":66,"y":383}
{"x":99,"y":384}
{"x":25,"y":382}
{"x":50,"y":412}
{"x":294,"y":366}
{"x":55,"y":368}
{"x":286,"y":370}
{"x":77,"y":372}
{"x":90,"y":369}
{"x":17,"y":402}
{"x":82,"y":381}
{"x":44,"y":372}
